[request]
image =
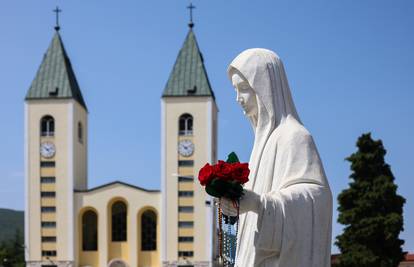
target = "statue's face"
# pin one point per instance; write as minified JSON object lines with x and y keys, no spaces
{"x":245,"y":95}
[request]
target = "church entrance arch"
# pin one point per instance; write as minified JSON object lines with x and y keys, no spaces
{"x":117,"y":263}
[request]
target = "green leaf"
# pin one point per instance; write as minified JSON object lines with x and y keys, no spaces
{"x":222,"y":188}
{"x":232,"y":158}
{"x":211,"y":190}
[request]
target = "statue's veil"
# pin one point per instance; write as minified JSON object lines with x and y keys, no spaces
{"x":264,"y":72}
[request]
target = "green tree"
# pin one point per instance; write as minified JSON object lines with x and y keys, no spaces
{"x":12,"y":251}
{"x":17,"y":249}
{"x":371,"y":210}
{"x":3,"y":254}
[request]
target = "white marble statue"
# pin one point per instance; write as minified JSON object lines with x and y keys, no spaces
{"x":287,"y":204}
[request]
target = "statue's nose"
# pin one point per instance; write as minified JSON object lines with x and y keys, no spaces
{"x":238,"y":97}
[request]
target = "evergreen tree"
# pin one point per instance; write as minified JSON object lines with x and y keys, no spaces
{"x":371,"y":211}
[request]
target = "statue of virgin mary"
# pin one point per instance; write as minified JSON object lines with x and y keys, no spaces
{"x":286,"y":209}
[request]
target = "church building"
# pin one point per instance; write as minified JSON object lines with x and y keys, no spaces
{"x":118,"y":224}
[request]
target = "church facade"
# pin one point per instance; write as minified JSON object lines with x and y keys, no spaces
{"x":117,"y":224}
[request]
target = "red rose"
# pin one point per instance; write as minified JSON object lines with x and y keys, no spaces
{"x":206,"y":174}
{"x":223,"y":170}
{"x":240,"y":172}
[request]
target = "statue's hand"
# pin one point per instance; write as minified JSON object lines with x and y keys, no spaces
{"x":228,"y":207}
{"x":250,"y":201}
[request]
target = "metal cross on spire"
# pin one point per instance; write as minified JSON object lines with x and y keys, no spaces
{"x":57,"y":11}
{"x":191,"y":7}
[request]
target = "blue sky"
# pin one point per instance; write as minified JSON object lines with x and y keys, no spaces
{"x":349,"y":64}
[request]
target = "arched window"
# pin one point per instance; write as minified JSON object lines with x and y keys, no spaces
{"x":119,"y":221}
{"x":47,"y":126}
{"x":80,"y":132}
{"x":117,"y":263}
{"x":185,"y":124}
{"x":90,"y":231}
{"x":149,"y":231}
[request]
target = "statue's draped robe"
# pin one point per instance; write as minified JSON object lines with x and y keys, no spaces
{"x":293,"y":225}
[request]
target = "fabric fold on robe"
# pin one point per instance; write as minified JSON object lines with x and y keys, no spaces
{"x":291,"y":226}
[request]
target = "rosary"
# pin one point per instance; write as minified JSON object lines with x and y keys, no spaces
{"x":228,"y":239}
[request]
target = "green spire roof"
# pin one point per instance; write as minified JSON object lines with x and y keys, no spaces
{"x":189,"y":76}
{"x":55,"y":77}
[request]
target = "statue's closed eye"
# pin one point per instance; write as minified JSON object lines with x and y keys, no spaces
{"x":243,"y":86}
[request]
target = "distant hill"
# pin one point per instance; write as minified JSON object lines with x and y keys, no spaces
{"x":10,"y":220}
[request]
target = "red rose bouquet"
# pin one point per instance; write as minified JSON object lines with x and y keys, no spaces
{"x":226,"y":178}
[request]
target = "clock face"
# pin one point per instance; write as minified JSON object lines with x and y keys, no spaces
{"x":186,"y":148}
{"x":47,"y":149}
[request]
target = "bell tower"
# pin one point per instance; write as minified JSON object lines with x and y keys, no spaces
{"x":188,"y":141}
{"x":56,"y":124}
